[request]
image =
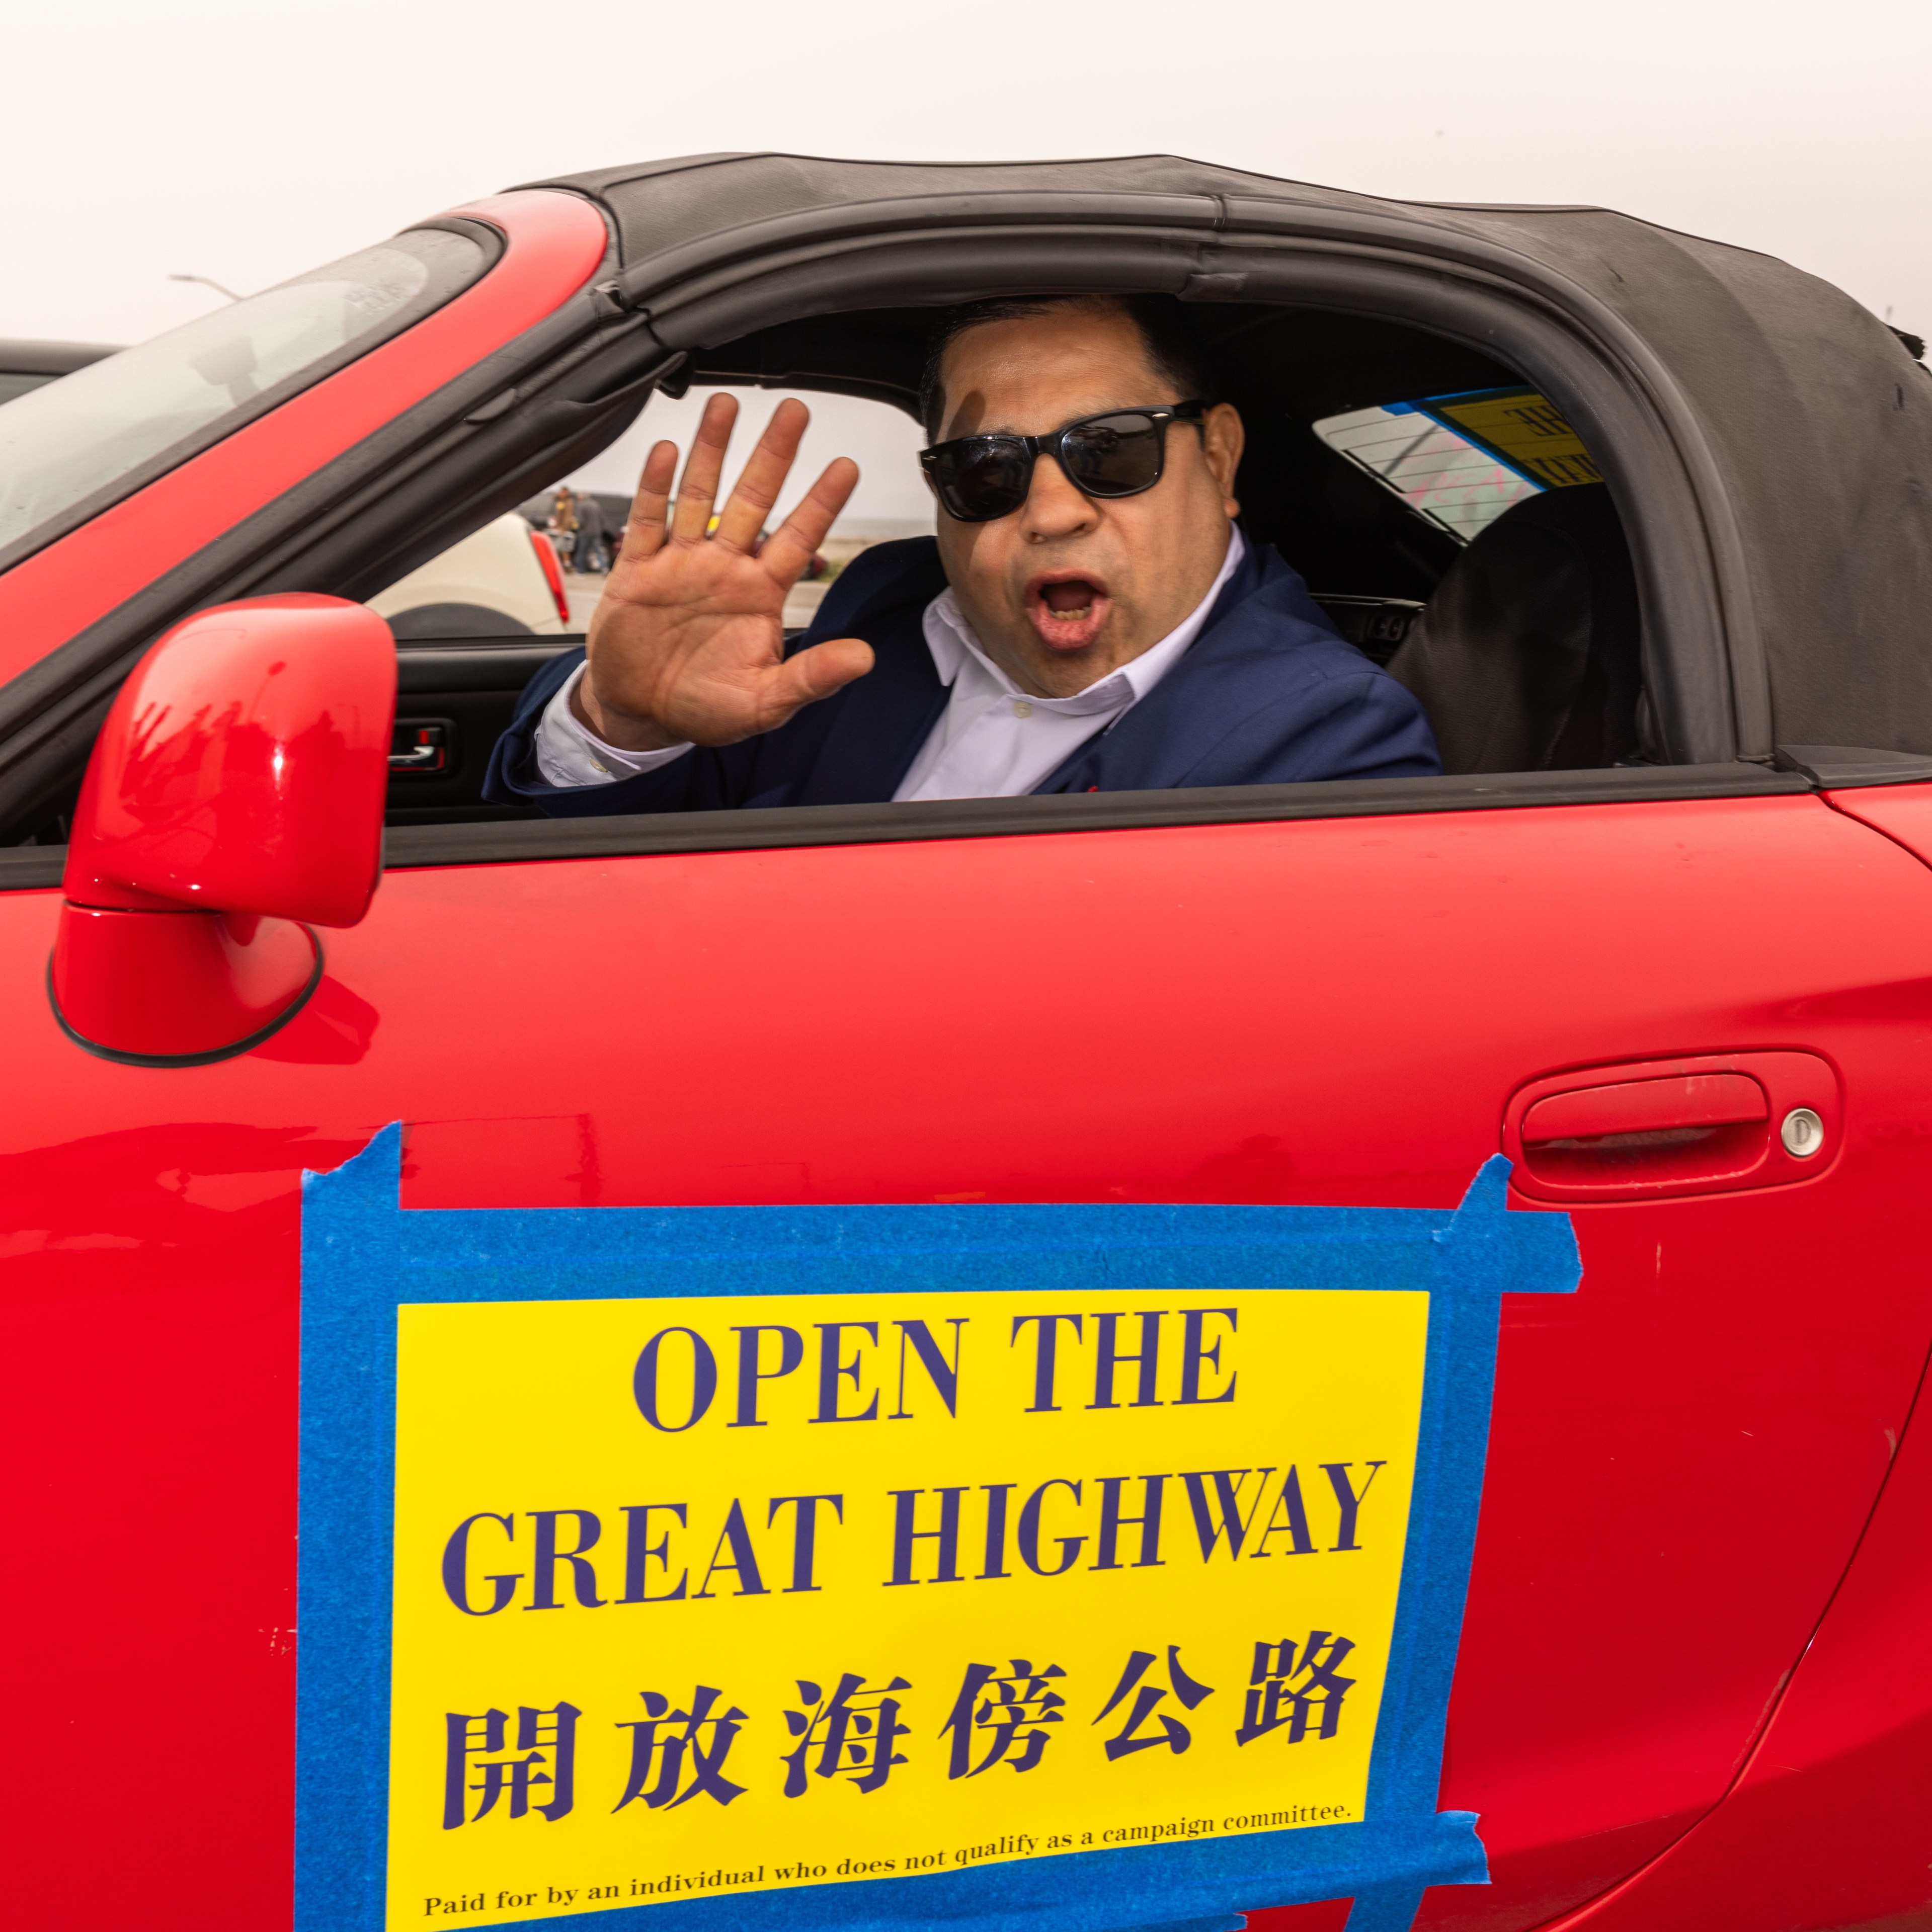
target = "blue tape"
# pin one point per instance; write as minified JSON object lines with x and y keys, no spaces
{"x":1384,"y":1909}
{"x":362,"y":1256}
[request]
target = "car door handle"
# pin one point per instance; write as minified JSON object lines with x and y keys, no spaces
{"x":1678,"y":1104}
{"x":1679,"y":1126}
{"x":420,"y":745}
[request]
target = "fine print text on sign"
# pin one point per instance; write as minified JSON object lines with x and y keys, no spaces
{"x":731,"y":1593}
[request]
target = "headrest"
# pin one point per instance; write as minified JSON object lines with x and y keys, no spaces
{"x":1527,"y":657}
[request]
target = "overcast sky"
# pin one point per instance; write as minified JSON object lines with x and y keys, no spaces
{"x":247,"y":140}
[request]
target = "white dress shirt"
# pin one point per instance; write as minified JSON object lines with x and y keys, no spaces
{"x":992,"y":741}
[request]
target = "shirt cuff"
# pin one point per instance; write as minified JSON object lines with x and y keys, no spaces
{"x":571,"y":756}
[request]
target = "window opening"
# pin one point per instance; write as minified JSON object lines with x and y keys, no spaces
{"x":475,"y":624}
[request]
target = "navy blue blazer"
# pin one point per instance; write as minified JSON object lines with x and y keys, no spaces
{"x":1268,"y":693}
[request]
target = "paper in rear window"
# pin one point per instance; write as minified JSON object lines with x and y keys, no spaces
{"x":1461,"y":460}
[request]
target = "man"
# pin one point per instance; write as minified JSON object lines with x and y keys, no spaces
{"x":587,"y":555}
{"x":563,"y":523}
{"x":1089,"y":618}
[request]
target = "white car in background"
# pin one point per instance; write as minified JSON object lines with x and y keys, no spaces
{"x":503,"y":581}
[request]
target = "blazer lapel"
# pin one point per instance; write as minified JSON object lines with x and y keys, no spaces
{"x":882,"y":720}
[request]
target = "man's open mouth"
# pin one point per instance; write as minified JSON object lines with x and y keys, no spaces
{"x":1068,"y":611}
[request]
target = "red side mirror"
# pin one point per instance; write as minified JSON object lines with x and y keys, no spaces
{"x":235,"y":791}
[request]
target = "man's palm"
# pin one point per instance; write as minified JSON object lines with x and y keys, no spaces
{"x":688,"y":642}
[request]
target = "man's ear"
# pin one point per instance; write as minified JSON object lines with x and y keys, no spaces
{"x":1222,"y":440}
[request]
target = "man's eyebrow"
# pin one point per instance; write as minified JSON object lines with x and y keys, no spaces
{"x":1078,"y":415}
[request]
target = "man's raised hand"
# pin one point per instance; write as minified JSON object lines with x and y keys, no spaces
{"x":687,"y":644}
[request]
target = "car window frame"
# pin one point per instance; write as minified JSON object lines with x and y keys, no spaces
{"x":1707,"y":695}
{"x":1705,"y":657}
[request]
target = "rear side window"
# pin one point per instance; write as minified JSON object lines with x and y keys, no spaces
{"x":69,"y":441}
{"x":1460,"y":461}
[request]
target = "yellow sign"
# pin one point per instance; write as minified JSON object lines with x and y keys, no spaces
{"x":1525,"y":429}
{"x":731,"y":1593}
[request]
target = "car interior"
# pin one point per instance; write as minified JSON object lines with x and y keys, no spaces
{"x":1441,"y":512}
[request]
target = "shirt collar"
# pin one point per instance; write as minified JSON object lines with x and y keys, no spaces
{"x":955,"y":650}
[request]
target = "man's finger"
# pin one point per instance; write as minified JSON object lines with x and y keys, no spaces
{"x":698,"y":491}
{"x":645,"y":532}
{"x":807,"y":677}
{"x":792,"y":544}
{"x":763,"y":476}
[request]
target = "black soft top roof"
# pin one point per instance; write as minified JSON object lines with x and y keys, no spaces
{"x":1815,"y":420}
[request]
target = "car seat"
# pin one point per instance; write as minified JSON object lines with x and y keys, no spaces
{"x":1528,"y":656}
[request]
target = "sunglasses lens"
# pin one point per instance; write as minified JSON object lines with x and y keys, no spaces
{"x":983,"y":477}
{"x":1114,"y":456}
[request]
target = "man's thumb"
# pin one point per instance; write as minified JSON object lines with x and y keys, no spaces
{"x":817,"y":673}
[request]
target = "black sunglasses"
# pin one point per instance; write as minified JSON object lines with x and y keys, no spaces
{"x":978,"y":478}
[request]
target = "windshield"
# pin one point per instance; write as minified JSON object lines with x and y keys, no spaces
{"x":1461,"y":460}
{"x":66,"y":440}
{"x":13,"y":383}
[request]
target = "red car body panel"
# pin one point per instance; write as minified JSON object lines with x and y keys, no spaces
{"x":1684,"y":1454}
{"x":553,"y":243}
{"x":1901,"y":812}
{"x":1827,"y":1825}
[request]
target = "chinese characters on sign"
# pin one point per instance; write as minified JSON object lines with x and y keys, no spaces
{"x":662,"y":1741}
{"x":851,"y":1735}
{"x":474,"y":1744}
{"x":1013,"y":1707}
{"x":854,"y":1733}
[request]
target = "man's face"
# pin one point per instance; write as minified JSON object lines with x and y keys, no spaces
{"x":1068,"y":587}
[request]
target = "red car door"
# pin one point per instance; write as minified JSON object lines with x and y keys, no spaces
{"x":1688,"y":1001}
{"x":1336,"y":1010}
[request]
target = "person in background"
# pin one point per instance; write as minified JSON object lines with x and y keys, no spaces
{"x":563,"y":515}
{"x":587,"y":555}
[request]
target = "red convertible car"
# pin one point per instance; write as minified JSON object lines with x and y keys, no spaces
{"x":1645,"y":521}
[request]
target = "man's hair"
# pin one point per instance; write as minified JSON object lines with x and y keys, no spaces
{"x":1170,"y":342}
